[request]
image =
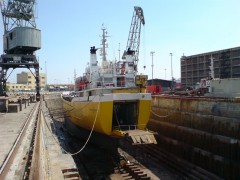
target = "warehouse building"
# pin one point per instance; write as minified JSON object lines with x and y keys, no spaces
{"x":226,"y":64}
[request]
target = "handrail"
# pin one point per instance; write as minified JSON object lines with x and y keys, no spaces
{"x":128,"y":127}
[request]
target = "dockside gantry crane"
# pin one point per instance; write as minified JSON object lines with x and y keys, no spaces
{"x":20,"y":40}
{"x":133,"y":42}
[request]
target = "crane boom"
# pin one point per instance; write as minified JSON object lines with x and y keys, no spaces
{"x":133,"y":42}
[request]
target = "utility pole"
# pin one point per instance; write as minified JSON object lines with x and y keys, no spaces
{"x":152,"y":53}
{"x":75,"y":77}
{"x":212,"y":76}
{"x":165,"y":73}
{"x":46,"y":75}
{"x":171,"y":54}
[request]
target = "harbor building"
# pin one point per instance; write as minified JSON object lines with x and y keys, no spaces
{"x":165,"y":84}
{"x":26,"y":82}
{"x":226,"y":64}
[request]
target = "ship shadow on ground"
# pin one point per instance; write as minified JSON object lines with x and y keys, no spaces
{"x":98,"y":158}
{"x":95,"y":158}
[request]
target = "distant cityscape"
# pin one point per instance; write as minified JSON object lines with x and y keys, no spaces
{"x":26,"y":82}
{"x":226,"y":64}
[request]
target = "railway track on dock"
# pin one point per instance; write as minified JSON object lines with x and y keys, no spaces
{"x":181,"y":167}
{"x":24,"y":134}
{"x":31,"y":168}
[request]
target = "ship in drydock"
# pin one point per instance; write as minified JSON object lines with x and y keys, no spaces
{"x":112,"y":98}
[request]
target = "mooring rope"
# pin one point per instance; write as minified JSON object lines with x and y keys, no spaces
{"x":87,"y":138}
{"x":158,"y":115}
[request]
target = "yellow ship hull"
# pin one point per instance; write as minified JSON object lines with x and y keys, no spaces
{"x":110,"y":114}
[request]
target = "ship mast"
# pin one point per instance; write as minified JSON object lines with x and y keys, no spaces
{"x":104,"y":46}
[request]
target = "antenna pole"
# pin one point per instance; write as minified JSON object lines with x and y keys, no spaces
{"x":171,"y":54}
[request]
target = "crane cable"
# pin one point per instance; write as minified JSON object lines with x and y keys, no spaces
{"x":144,"y":49}
{"x":72,"y":154}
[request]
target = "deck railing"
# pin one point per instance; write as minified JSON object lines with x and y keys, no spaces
{"x":129,"y":127}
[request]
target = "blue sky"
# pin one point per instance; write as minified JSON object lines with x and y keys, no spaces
{"x":186,"y":27}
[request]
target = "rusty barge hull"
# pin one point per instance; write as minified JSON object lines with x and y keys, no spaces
{"x":205,"y":131}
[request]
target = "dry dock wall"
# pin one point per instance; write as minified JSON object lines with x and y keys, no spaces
{"x":203,"y":131}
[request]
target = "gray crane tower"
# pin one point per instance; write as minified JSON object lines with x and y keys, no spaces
{"x":133,"y":42}
{"x":20,"y":40}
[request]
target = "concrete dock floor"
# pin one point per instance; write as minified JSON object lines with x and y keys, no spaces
{"x":10,"y":127}
{"x":53,"y":159}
